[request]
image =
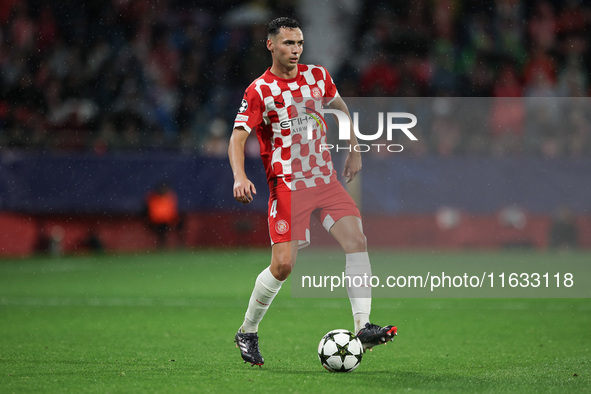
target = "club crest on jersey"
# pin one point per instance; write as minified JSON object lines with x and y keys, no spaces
{"x":243,"y":106}
{"x":316,"y":93}
{"x":282,"y":227}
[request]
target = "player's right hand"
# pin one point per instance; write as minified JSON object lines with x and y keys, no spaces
{"x":244,"y":190}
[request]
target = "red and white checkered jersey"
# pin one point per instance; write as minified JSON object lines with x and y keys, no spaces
{"x":285,"y":115}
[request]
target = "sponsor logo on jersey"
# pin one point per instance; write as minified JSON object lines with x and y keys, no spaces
{"x":282,"y":227}
{"x":243,"y":106}
{"x":305,"y":123}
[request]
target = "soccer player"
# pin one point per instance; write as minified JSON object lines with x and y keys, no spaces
{"x":301,"y":179}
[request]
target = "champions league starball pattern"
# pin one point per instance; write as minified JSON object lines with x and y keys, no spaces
{"x":340,"y":351}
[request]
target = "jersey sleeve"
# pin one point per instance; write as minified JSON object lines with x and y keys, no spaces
{"x":250,"y":113}
{"x":330,"y":89}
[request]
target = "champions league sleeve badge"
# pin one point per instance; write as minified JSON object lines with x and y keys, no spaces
{"x":243,"y":106}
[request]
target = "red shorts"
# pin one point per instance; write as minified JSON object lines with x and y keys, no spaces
{"x":290,"y":210}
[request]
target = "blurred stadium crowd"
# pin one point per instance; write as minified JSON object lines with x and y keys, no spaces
{"x":119,"y":75}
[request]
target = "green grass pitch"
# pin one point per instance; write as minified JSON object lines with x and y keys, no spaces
{"x":166,"y":322}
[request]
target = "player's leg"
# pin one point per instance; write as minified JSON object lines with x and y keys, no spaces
{"x":268,"y":284}
{"x":348,"y":231}
{"x":283,"y":257}
{"x":266,"y":287}
{"x":287,"y":228}
{"x":269,"y":281}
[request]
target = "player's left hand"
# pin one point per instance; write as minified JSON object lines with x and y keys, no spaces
{"x":352,"y":166}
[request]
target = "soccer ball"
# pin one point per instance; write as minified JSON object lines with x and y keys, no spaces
{"x":340,"y":351}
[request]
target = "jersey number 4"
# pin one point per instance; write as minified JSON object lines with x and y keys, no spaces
{"x":273,"y":211}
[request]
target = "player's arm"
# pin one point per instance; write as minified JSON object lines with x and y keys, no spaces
{"x":243,"y":187}
{"x":353,"y":161}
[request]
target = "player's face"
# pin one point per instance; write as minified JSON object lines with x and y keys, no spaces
{"x":286,"y":47}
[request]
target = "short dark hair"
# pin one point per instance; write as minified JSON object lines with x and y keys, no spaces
{"x":278,"y":23}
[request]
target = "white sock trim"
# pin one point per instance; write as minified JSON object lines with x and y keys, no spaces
{"x":269,"y":281}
